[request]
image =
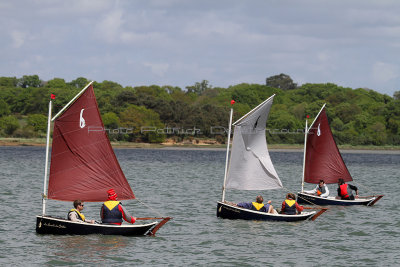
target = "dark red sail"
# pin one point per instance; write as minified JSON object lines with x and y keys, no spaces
{"x":323,"y":159}
{"x":83,"y":163}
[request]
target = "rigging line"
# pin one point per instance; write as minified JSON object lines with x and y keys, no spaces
{"x":317,"y":206}
{"x":147,"y":206}
{"x":309,"y":202}
{"x":366,"y":188}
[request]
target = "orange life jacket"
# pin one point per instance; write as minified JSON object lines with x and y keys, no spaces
{"x":343,"y":191}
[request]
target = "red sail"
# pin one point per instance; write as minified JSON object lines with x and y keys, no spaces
{"x":323,"y":159}
{"x":83,"y":163}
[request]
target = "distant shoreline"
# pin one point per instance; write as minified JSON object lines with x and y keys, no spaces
{"x":217,"y":147}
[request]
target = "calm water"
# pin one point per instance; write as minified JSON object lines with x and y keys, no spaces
{"x":186,"y":184}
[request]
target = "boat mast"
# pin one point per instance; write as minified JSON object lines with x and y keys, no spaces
{"x":304,"y":157}
{"x":44,"y":196}
{"x":305,"y":146}
{"x":227,"y":155}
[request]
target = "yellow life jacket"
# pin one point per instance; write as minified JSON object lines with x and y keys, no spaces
{"x":257,"y":205}
{"x":80,"y":214}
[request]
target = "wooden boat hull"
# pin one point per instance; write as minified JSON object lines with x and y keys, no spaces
{"x":58,"y":226}
{"x":303,"y":198}
{"x":227,"y":211}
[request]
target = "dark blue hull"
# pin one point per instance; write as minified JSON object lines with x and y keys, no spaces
{"x":303,"y":198}
{"x":58,"y":226}
{"x":228,"y":211}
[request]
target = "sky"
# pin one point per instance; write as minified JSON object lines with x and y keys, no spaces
{"x":351,"y":43}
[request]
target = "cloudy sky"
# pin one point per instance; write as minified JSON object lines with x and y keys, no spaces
{"x":352,"y":43}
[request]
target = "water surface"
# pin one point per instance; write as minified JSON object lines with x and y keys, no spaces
{"x":186,"y":184}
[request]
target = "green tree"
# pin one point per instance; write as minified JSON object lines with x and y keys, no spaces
{"x":377,"y":132}
{"x":109,"y":85}
{"x":144,"y":124}
{"x":337,"y":96}
{"x":199,"y":88}
{"x":9,"y":124}
{"x":8,"y":81}
{"x":111,"y":124}
{"x":29,"y":81}
{"x":244,"y":93}
{"x":394,"y":126}
{"x":79,"y":83}
{"x":396,"y":95}
{"x":171,"y":89}
{"x":299,"y":111}
{"x":56,"y":83}
{"x":204,"y":117}
{"x":181,"y":114}
{"x":347,"y":112}
{"x":38,"y":122}
{"x":355,"y":115}
{"x":36,"y":101}
{"x":284,"y":125}
{"x":4,"y":108}
{"x":110,"y":120}
{"x":239,"y":109}
{"x":361,"y":121}
{"x":337,"y":124}
{"x":165,"y":110}
{"x":347,"y":135}
{"x":125,"y":97}
{"x":282,"y":81}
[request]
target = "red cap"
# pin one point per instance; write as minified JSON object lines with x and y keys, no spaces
{"x":111,"y":194}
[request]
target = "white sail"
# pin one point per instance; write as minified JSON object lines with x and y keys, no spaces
{"x":250,"y":166}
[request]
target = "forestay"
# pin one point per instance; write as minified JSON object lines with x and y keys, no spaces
{"x":250,"y":166}
{"x":83,"y":164}
{"x":323,"y":159}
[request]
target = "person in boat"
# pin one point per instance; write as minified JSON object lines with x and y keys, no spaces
{"x":112,"y":211}
{"x":290,"y":205}
{"x":345,"y":190}
{"x":320,"y":190}
{"x":76,"y":214}
{"x":258,"y":205}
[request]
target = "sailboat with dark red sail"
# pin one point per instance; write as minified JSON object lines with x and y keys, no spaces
{"x":322,"y":160}
{"x":84,"y":166}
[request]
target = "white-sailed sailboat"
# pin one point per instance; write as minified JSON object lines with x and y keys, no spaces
{"x":250,"y":166}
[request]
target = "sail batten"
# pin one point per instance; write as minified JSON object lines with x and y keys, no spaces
{"x":83,"y":164}
{"x":323,"y":159}
{"x":250,"y":166}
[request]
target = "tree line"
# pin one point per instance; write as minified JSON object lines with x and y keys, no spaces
{"x":153,"y":113}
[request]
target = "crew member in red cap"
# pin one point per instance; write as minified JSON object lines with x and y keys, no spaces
{"x":112,"y":212}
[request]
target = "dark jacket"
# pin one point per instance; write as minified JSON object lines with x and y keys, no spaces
{"x":110,"y":212}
